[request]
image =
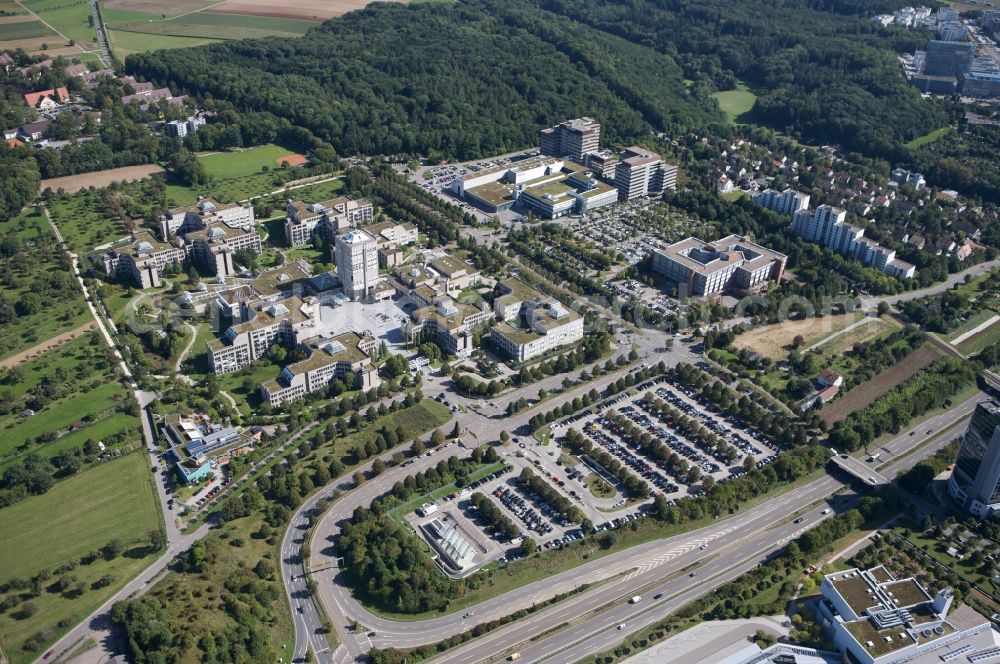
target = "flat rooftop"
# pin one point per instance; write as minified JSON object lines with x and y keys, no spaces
{"x":516,"y":335}
{"x":448,"y":265}
{"x":494,"y":193}
{"x":280,"y":279}
{"x":342,"y":348}
{"x":710,"y":257}
{"x":519,"y":291}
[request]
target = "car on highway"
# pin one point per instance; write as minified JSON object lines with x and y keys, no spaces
{"x":635,"y":600}
{"x":826,"y":511}
{"x":621,"y":626}
{"x":798,"y":520}
{"x":657,"y":595}
{"x":693,"y":574}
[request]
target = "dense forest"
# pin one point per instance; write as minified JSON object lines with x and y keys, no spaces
{"x":823,"y":71}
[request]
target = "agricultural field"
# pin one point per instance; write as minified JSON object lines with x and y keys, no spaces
{"x":35,"y":278}
{"x":71,"y":18}
{"x":775,"y":341}
{"x":310,"y":10}
{"x":870,"y":390}
{"x":74,"y":183}
{"x":25,"y":30}
{"x":75,"y":397}
{"x":125,"y":43}
{"x":215,"y":26}
{"x":60,"y":534}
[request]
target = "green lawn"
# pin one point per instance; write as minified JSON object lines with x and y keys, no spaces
{"x":921,"y":141}
{"x":40,"y":259}
{"x":226,"y":165}
{"x":736,"y":103}
{"x":114,"y":500}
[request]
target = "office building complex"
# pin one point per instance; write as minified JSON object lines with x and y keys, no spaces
{"x":643,"y":173}
{"x":826,"y":226}
{"x":549,"y":187}
{"x":975,"y":482}
{"x":209,"y":239}
{"x":328,"y":360}
{"x":324,"y":219}
{"x":356,"y":256}
{"x":949,"y":58}
{"x":708,"y":268}
{"x":287,"y":323}
{"x":573,"y":139}
{"x":546,"y":325}
{"x":874,"y":618}
{"x":199,"y":446}
{"x":448,"y":323}
{"x":788,"y":201}
{"x":178,"y":221}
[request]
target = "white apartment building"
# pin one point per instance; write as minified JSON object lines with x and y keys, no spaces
{"x":329,"y":359}
{"x":356,"y":256}
{"x":181,"y":128}
{"x":788,"y":201}
{"x":325,"y":218}
{"x":827,"y":227}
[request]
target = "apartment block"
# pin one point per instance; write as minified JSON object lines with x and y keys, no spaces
{"x":287,"y":323}
{"x":181,"y":128}
{"x":788,"y":201}
{"x":733,"y":263}
{"x":573,"y":139}
{"x":356,"y":256}
{"x":328,"y":359}
{"x":324,"y":219}
{"x":827,"y":227}
{"x":900,"y":176}
{"x":874,"y":618}
{"x":641,"y":172}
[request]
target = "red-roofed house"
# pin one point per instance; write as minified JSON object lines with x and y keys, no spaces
{"x":828,"y":393}
{"x":829,"y":378}
{"x":14,"y":143}
{"x":46,"y":99}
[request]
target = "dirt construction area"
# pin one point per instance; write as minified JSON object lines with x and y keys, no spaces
{"x":73,"y":183}
{"x":775,"y":341}
{"x":301,"y":9}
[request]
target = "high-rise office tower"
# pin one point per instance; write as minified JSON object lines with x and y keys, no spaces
{"x":975,"y":481}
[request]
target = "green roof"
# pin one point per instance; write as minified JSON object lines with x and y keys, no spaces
{"x":515,"y":334}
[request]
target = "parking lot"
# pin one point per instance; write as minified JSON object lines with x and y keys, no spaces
{"x":627,"y":428}
{"x":636,"y":228}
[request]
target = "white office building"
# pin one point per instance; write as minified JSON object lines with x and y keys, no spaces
{"x":356,"y":256}
{"x":788,"y":201}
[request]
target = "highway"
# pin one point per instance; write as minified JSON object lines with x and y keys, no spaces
{"x":728,"y":542}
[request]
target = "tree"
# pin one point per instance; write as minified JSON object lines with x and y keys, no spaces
{"x":113,"y":549}
{"x":529,"y":546}
{"x":157,"y":539}
{"x":456,"y":431}
{"x":504,"y":436}
{"x":437,"y":438}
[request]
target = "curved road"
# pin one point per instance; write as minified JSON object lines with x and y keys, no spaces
{"x":759,"y":530}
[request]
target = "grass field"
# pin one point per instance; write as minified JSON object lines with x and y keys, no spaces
{"x":736,"y":103}
{"x":114,"y":500}
{"x":774,"y":341}
{"x":225,"y":165}
{"x":920,"y":141}
{"x":74,"y":183}
{"x":29,"y":329}
{"x":870,"y":390}
{"x":83,"y":223}
{"x":981,"y":340}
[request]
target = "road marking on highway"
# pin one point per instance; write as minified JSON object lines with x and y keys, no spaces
{"x":667,"y":556}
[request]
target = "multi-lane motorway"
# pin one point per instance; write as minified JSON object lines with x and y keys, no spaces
{"x":716,"y":553}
